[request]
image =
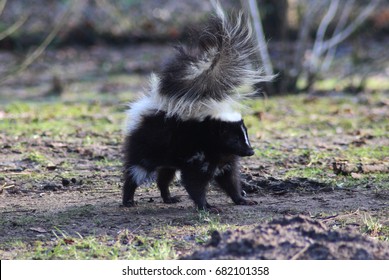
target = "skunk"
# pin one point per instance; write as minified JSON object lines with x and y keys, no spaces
{"x":201,"y":150}
{"x":189,"y":121}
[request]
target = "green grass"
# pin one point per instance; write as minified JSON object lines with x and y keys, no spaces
{"x":374,"y":228}
{"x":37,"y":158}
{"x":298,"y":116}
{"x":335,"y":122}
{"x":161,"y":243}
{"x":125,"y":246}
{"x":60,"y":119}
{"x":270,"y":152}
{"x":377,"y":153}
{"x":329,"y":84}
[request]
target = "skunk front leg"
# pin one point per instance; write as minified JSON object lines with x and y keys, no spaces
{"x":229,"y":180}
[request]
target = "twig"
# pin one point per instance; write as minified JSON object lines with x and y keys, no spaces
{"x":321,"y":31}
{"x":329,"y":217}
{"x":42,"y":47}
{"x":267,"y":65}
{"x":303,"y":37}
{"x":348,"y":7}
{"x":13,"y":27}
{"x":340,"y":216}
{"x":2,"y":5}
{"x":19,"y":211}
{"x":18,"y":173}
{"x":301,"y":252}
{"x":346,"y":32}
{"x":115,"y":13}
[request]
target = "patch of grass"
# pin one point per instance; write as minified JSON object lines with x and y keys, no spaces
{"x":21,"y":221}
{"x":298,"y":115}
{"x":370,"y":180}
{"x":329,"y":84}
{"x":206,"y":223}
{"x":109,"y":162}
{"x":374,"y":228}
{"x":75,"y":248}
{"x":366,"y":153}
{"x":326,"y":84}
{"x":377,"y":83}
{"x":307,"y":172}
{"x":332,"y":122}
{"x":64,"y":246}
{"x":124,"y":246}
{"x":37,"y":158}
{"x":271,"y":152}
{"x":60,"y":120}
{"x":33,"y":178}
{"x":18,"y":108}
{"x":13,"y":249}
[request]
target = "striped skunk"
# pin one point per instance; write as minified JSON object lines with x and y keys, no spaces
{"x":190,"y":121}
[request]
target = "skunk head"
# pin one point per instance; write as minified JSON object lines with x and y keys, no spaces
{"x":232,"y":137}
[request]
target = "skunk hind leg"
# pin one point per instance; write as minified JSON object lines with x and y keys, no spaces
{"x":164,"y":178}
{"x":129,"y":188}
{"x":196,"y":183}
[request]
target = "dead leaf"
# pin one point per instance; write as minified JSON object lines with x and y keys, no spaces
{"x":348,"y":111}
{"x":371,"y":168}
{"x":358,"y":142}
{"x":356,"y":175}
{"x":310,"y":99}
{"x":51,"y":167}
{"x":38,"y":229}
{"x":68,"y":241}
{"x":346,"y":168}
{"x":260,"y":115}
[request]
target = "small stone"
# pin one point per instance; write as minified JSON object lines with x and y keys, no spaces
{"x":51,"y":187}
{"x":65,"y":182}
{"x":215,"y":239}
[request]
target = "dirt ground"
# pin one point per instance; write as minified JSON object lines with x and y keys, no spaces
{"x":293,"y":238}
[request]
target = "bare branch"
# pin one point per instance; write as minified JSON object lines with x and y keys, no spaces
{"x":2,"y":5}
{"x":346,"y":11}
{"x":303,"y":37}
{"x":342,"y":35}
{"x":316,"y":51}
{"x":115,"y":13}
{"x":41,"y":48}
{"x":268,"y":67}
{"x":13,"y":27}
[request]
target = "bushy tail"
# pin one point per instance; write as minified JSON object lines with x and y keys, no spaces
{"x":212,"y":70}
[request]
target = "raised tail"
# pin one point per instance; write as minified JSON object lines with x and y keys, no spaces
{"x":210,"y":71}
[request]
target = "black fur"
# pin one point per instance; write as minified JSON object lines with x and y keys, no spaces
{"x":201,"y":150}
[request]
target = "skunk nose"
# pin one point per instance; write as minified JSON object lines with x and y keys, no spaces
{"x":248,"y":152}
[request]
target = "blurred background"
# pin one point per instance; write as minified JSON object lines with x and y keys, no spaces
{"x":75,"y":49}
